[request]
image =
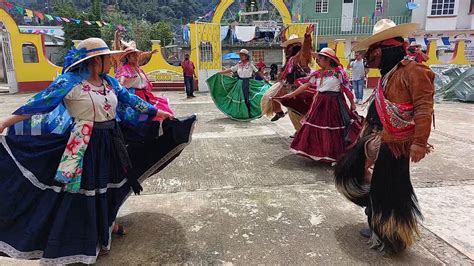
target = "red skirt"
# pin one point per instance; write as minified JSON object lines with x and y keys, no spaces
{"x":300,"y":104}
{"x":328,"y":128}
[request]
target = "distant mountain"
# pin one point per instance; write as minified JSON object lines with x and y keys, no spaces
{"x":174,"y":11}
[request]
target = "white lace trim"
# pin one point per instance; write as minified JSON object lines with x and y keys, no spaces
{"x":32,"y":178}
{"x":316,"y":158}
{"x":38,"y":254}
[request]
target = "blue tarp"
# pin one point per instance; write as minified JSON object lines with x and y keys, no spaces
{"x":231,"y":56}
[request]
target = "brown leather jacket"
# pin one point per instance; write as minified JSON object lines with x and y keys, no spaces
{"x":412,"y":83}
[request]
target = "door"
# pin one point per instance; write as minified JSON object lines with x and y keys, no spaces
{"x":9,"y":69}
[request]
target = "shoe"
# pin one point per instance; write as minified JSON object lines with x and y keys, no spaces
{"x":365,"y":232}
{"x":193,"y":96}
{"x":278,"y":116}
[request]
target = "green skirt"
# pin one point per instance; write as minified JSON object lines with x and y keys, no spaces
{"x":227,"y":94}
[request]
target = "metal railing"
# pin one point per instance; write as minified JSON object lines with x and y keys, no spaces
{"x":352,"y":26}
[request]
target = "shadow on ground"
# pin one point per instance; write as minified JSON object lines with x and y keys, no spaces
{"x":152,"y":238}
{"x":355,"y":246}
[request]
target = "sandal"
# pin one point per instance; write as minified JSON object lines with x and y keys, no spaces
{"x":119,"y":230}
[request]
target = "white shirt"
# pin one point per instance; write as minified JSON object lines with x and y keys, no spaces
{"x":331,"y":83}
{"x":138,"y":81}
{"x":88,"y":102}
{"x":244,"y":70}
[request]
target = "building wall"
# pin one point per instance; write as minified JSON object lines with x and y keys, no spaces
{"x":334,"y":9}
{"x":271,"y":56}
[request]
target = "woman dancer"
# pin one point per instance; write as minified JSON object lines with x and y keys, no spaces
{"x":64,"y":167}
{"x":132,"y":77}
{"x":239,"y":98}
{"x":330,"y":126}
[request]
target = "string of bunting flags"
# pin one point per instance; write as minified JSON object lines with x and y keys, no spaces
{"x":13,"y":7}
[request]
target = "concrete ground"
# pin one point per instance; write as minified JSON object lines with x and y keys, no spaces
{"x":236,"y":195}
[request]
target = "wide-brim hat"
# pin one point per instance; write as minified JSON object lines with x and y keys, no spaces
{"x":244,"y":51}
{"x":330,"y":53}
{"x":85,"y":50}
{"x":385,"y":29}
{"x":292,"y":40}
{"x":130,"y":47}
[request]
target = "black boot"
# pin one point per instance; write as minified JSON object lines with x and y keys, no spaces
{"x":278,"y":116}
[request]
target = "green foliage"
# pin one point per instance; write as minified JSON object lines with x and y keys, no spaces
{"x":162,"y":31}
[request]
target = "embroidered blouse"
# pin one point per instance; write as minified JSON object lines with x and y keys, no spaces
{"x":134,"y":78}
{"x":88,"y":102}
{"x":244,"y":70}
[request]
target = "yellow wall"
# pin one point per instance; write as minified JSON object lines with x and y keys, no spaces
{"x":44,"y":70}
{"x":157,"y":61}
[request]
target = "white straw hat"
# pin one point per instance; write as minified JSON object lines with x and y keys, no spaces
{"x":244,"y":51}
{"x":292,"y":40}
{"x":85,"y":50}
{"x":385,"y":29}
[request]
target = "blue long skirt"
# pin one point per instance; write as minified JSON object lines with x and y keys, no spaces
{"x":37,"y":219}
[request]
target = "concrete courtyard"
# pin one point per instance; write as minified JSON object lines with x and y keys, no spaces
{"x":236,"y":195}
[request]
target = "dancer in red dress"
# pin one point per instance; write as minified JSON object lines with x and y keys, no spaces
{"x":330,"y":126}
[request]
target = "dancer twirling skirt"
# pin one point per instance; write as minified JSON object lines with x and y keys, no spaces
{"x":376,"y":173}
{"x":64,"y":164}
{"x":132,"y":77}
{"x":239,"y":98}
{"x":330,"y":126}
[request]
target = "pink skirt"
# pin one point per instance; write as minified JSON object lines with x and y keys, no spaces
{"x":161,"y":103}
{"x":328,"y":128}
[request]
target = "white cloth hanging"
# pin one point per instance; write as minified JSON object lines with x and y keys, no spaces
{"x":224,"y":31}
{"x":245,"y":33}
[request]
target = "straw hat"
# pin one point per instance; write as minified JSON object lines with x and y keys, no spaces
{"x":330,"y":53}
{"x":244,"y":51}
{"x":385,"y":29}
{"x":85,"y":50}
{"x":292,"y":40}
{"x":130,"y":47}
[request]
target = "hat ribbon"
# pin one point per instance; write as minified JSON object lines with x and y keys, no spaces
{"x":74,"y":55}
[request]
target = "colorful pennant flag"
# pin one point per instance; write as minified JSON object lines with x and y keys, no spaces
{"x":39,"y":15}
{"x":87,"y":22}
{"x":29,"y":13}
{"x":98,"y":23}
{"x":66,"y":20}
{"x":20,"y":9}
{"x":49,"y":17}
{"x":8,"y":5}
{"x":58,"y":19}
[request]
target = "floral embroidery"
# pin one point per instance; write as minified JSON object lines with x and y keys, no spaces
{"x":86,"y":88}
{"x":69,"y":171}
{"x":107,"y":106}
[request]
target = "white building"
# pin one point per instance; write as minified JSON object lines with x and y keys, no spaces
{"x":445,"y":20}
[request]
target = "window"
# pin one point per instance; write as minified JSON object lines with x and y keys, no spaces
{"x":442,"y":7}
{"x":257,"y":55}
{"x":379,"y":6}
{"x":30,"y":53}
{"x":348,"y":1}
{"x":471,"y":9}
{"x":322,"y":6}
{"x":205,"y":52}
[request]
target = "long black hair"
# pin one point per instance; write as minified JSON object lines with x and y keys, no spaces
{"x":391,"y":56}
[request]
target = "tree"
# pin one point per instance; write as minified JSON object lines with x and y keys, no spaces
{"x":162,"y":31}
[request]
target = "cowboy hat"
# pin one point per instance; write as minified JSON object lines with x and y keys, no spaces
{"x":292,"y":40}
{"x":385,"y":29}
{"x":329,"y":53}
{"x":244,"y":51}
{"x":85,"y":50}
